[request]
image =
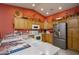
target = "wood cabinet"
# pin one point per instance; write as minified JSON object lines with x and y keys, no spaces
{"x":25,"y":24}
{"x":47,"y":38}
{"x":29,"y":24}
{"x":19,"y":23}
{"x":72,"y":39}
{"x":41,"y":25}
{"x":73,"y":34}
{"x":16,"y":24}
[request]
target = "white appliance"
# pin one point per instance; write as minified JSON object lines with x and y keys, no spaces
{"x":35,"y":32}
{"x":38,"y":37}
{"x":34,"y":26}
{"x":35,"y":29}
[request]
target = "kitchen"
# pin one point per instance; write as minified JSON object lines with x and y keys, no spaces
{"x":24,"y":21}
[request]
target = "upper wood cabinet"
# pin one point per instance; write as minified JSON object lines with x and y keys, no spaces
{"x":41,"y":25}
{"x":29,"y":24}
{"x":25,"y":24}
{"x":48,"y":25}
{"x":19,"y":23}
{"x":16,"y":23}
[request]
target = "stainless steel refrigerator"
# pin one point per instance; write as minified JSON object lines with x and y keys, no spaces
{"x":60,"y":35}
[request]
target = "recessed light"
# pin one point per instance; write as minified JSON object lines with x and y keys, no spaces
{"x":47,"y":13}
{"x":33,"y":5}
{"x":60,"y":8}
{"x":42,"y":9}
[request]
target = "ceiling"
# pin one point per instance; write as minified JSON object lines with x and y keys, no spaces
{"x":47,"y":8}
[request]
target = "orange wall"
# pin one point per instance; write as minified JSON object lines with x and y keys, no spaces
{"x":7,"y":15}
{"x":63,"y":13}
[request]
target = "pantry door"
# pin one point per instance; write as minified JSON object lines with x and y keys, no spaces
{"x":73,"y":33}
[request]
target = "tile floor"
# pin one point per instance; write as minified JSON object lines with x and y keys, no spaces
{"x":68,"y":52}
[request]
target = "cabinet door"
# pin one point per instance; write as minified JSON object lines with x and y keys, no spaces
{"x":44,"y":37}
{"x":70,"y":39}
{"x":78,"y":33}
{"x":73,"y":34}
{"x":21,"y":23}
{"x":16,"y":23}
{"x":29,"y":26}
{"x":75,"y":38}
{"x":73,"y":23}
{"x":78,"y":41}
{"x":25,"y":24}
{"x":47,"y":38}
{"x":41,"y":25}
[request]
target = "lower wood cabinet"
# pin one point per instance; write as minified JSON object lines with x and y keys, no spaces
{"x":47,"y":38}
{"x":73,"y":39}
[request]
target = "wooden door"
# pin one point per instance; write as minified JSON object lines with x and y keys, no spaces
{"x":70,"y":38}
{"x":73,"y":34}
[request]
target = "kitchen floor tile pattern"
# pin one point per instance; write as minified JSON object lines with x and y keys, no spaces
{"x":68,"y":52}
